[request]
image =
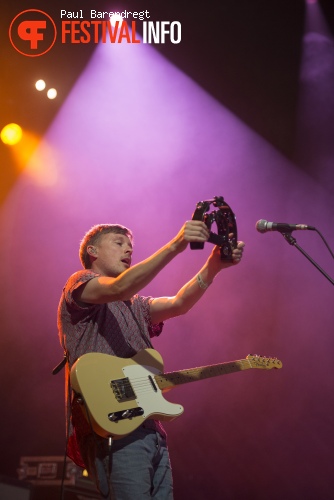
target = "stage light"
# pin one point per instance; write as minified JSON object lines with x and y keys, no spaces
{"x":11,"y":134}
{"x":51,"y":93}
{"x":114,"y":18}
{"x":40,"y":85}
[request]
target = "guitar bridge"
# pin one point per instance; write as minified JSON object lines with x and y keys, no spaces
{"x":122,"y":390}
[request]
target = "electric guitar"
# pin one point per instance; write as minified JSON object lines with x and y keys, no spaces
{"x":118,"y":394}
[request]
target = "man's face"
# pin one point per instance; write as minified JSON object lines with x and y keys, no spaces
{"x":112,"y":254}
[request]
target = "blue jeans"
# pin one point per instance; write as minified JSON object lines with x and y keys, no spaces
{"x":137,"y":466}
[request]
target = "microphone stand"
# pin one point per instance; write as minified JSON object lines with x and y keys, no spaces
{"x":292,"y":241}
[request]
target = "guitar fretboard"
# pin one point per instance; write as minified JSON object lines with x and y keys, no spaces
{"x":170,"y":380}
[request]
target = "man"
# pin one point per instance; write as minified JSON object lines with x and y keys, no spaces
{"x":100,"y":311}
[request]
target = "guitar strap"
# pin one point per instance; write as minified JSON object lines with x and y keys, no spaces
{"x":60,"y":365}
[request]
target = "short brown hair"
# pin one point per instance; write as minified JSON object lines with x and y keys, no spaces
{"x":94,"y":234}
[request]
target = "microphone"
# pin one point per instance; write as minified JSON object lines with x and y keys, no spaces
{"x":263,"y":226}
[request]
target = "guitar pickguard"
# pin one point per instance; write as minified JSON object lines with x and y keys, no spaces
{"x":149,"y":396}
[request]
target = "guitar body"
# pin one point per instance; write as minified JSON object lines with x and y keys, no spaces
{"x":119,"y":394}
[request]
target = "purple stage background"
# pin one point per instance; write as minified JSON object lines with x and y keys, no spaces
{"x":139,"y":143}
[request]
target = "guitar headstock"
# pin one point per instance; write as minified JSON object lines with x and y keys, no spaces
{"x":263,"y":362}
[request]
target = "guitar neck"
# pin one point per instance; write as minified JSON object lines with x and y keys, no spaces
{"x":170,"y":380}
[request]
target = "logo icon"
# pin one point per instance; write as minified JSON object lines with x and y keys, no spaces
{"x":32,"y":33}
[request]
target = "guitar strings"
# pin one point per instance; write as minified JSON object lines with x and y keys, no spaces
{"x":143,"y":384}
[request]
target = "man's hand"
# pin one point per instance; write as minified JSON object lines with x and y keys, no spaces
{"x":216,"y":263}
{"x":191,"y":231}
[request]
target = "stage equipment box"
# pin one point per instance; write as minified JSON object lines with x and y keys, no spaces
{"x":48,"y":470}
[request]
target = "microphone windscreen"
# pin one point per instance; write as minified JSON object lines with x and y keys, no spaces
{"x":261,"y":226}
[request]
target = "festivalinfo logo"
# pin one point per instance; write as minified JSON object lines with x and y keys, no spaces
{"x":33,"y":32}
